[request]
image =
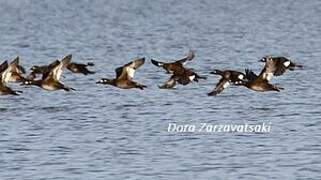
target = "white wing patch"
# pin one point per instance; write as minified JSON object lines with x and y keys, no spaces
{"x":286,"y":63}
{"x":269,"y":76}
{"x":57,"y":71}
{"x":49,"y":88}
{"x":6,"y":75}
{"x":130,"y":72}
{"x":241,"y":76}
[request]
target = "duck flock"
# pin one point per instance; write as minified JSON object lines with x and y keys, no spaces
{"x":48,"y":76}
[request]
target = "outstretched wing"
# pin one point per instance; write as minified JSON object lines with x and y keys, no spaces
{"x":281,"y":65}
{"x":3,"y":66}
{"x":250,"y":75}
{"x":190,"y":56}
{"x":47,"y":69}
{"x":6,"y":74}
{"x":275,"y":66}
{"x":15,"y":64}
{"x":11,"y":69}
{"x":56,"y":72}
{"x":170,"y":83}
{"x":220,"y":86}
{"x":128,"y":70}
{"x":266,"y":73}
{"x":16,"y":68}
{"x":119,"y":71}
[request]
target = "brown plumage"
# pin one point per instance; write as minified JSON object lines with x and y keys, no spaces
{"x":4,"y":76}
{"x":14,"y":72}
{"x":259,"y":82}
{"x":180,"y":74}
{"x":228,"y":77}
{"x":51,"y":76}
{"x":276,"y":66}
{"x":125,"y":75}
{"x":177,"y":65}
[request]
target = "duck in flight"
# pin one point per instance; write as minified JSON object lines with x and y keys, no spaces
{"x":35,"y":70}
{"x":125,"y":75}
{"x":5,"y":73}
{"x":177,"y":65}
{"x":14,"y":72}
{"x":228,"y":77}
{"x":276,"y":66}
{"x":80,"y":68}
{"x":51,"y":76}
{"x":259,"y":82}
{"x":72,"y":66}
{"x":180,"y":74}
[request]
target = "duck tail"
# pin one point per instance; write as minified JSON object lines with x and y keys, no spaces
{"x":277,"y":88}
{"x":140,"y":86}
{"x":89,"y":72}
{"x":66,"y":88}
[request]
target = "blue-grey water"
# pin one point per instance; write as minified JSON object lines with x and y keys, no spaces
{"x":101,"y":132}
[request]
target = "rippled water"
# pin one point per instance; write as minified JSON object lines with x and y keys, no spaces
{"x":100,"y":132}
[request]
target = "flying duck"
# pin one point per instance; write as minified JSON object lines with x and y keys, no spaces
{"x":183,"y":77}
{"x":228,"y":77}
{"x":125,"y":75}
{"x":175,"y":66}
{"x":14,"y":72}
{"x":35,"y":70}
{"x":51,"y":75}
{"x":278,"y":65}
{"x":80,"y":68}
{"x":180,"y":74}
{"x":4,"y":76}
{"x":259,"y":82}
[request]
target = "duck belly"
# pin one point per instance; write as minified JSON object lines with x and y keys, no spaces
{"x":49,"y":88}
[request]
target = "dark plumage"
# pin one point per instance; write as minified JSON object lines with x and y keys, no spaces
{"x":80,"y":68}
{"x":175,"y":66}
{"x":228,"y":77}
{"x":278,"y":65}
{"x":51,"y":75}
{"x":259,"y":82}
{"x":44,"y":69}
{"x":180,"y":74}
{"x":125,"y":75}
{"x":5,"y":75}
{"x":14,"y":72}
